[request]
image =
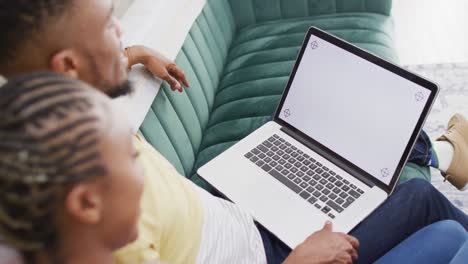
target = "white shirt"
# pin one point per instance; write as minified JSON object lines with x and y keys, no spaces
{"x":229,"y":234}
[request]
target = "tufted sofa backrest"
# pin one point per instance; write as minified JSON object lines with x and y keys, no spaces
{"x":249,"y":12}
{"x":175,"y":122}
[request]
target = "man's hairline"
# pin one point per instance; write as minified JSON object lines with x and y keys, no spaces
{"x":38,"y":35}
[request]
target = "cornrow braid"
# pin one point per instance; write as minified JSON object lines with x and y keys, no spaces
{"x":19,"y":19}
{"x":48,"y":142}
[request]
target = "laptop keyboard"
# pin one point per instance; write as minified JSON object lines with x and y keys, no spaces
{"x":310,"y":179}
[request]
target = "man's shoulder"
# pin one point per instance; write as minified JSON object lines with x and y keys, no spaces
{"x":158,"y":170}
{"x":149,"y":155}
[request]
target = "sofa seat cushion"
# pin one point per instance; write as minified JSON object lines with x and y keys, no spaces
{"x":258,"y":67}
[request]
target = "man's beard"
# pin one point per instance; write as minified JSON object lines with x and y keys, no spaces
{"x":113,"y":91}
{"x":122,"y":89}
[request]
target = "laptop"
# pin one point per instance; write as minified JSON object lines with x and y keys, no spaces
{"x":336,"y":146}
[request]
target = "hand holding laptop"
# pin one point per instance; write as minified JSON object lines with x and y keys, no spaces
{"x":325,"y":246}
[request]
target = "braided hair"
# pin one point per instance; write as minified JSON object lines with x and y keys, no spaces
{"x":48,"y":142}
{"x":21,"y":19}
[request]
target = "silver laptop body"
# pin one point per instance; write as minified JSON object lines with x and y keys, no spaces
{"x":336,"y":146}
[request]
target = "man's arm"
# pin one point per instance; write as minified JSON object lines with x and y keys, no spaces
{"x":325,"y":246}
{"x":157,"y":64}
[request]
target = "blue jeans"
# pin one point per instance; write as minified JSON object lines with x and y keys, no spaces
{"x":461,"y":256}
{"x":442,"y":242}
{"x":418,"y":160}
{"x":422,"y":150}
{"x":414,"y":205}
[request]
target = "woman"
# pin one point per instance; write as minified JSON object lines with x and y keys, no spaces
{"x":69,"y":193}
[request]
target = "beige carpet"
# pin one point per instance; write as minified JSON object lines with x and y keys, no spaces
{"x":453,"y":98}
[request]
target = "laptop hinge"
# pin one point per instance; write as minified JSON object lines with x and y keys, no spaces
{"x":329,"y":157}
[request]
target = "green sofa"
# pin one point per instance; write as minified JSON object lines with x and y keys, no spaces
{"x":238,"y":57}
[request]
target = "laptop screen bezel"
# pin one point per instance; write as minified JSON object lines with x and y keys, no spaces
{"x":432,"y":87}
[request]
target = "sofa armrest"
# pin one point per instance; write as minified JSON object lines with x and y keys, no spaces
{"x":247,"y":12}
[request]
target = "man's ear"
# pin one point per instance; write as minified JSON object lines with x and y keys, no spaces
{"x":65,"y":62}
{"x":84,"y":203}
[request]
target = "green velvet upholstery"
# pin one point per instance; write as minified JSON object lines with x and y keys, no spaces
{"x":248,"y":12}
{"x":237,"y":57}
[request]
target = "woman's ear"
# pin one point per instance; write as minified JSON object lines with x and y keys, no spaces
{"x":85,"y":203}
{"x":65,"y":62}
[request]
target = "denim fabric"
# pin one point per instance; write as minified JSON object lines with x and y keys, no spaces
{"x":461,"y":256}
{"x":414,"y":205}
{"x":276,"y":251}
{"x":417,"y":166}
{"x":422,"y":150}
{"x":437,"y":243}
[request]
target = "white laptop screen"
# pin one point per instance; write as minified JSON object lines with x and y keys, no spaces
{"x":359,"y":110}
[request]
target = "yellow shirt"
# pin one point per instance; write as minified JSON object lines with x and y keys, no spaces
{"x":171,"y":223}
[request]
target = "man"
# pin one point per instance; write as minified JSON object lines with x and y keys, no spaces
{"x":181,"y":223}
